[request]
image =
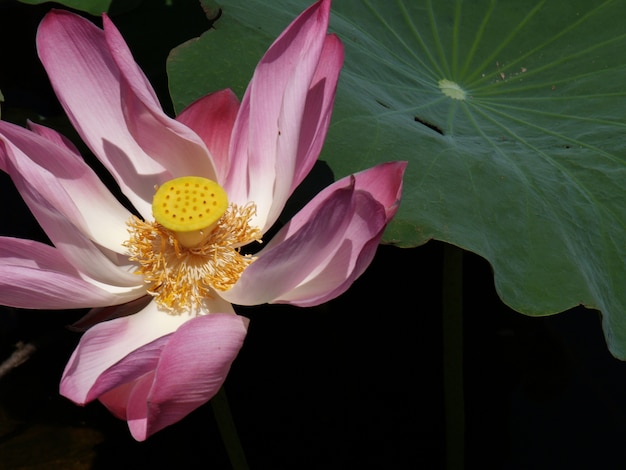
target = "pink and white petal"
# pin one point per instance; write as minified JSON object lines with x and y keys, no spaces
{"x":87,"y":81}
{"x":192,"y":366}
{"x":169,"y":142}
{"x":318,"y":108}
{"x":128,"y":68}
{"x":35,"y":275}
{"x":112,"y":273}
{"x":212,"y":118}
{"x":166,"y":140}
{"x":383,"y":182}
{"x":107,"y":343}
{"x":237,"y":180}
{"x":131,"y":368}
{"x":34,"y":254}
{"x":281,"y":267}
{"x":376,"y":197}
{"x":379,"y":191}
{"x":33,"y":288}
{"x":95,"y":265}
{"x":106,"y":269}
{"x":349,"y":259}
{"x":267,"y":131}
{"x":54,"y":137}
{"x":60,"y":176}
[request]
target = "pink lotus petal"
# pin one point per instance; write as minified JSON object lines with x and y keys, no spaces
{"x":212,"y":118}
{"x":383,"y":182}
{"x":87,"y":80}
{"x":110,"y":342}
{"x":54,"y":137}
{"x":318,"y":107}
{"x":281,"y":267}
{"x":192,"y":366}
{"x":116,"y":399}
{"x":264,"y":145}
{"x":347,"y":261}
{"x":65,"y":214}
{"x":35,"y":275}
{"x":167,"y":141}
{"x":335,"y":266}
{"x":379,"y":189}
{"x":61,"y":177}
{"x":107,"y":343}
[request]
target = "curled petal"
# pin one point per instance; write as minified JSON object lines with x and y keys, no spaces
{"x":383,"y":182}
{"x":152,"y":369}
{"x":332,"y":265}
{"x":379,"y":190}
{"x":107,"y":343}
{"x":346,"y":261}
{"x":181,"y":373}
{"x":280,"y":267}
{"x":86,"y":378}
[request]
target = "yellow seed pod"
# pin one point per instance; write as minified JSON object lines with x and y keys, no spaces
{"x":190,"y":206}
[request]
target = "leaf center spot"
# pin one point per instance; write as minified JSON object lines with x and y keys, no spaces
{"x":451,"y":89}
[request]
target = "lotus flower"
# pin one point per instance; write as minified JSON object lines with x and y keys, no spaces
{"x":202,"y":185}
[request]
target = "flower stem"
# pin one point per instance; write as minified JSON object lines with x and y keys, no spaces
{"x":452,"y":310}
{"x":228,"y":431}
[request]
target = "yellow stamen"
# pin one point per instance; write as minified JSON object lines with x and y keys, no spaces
{"x":181,"y":267}
{"x":190,"y":207}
